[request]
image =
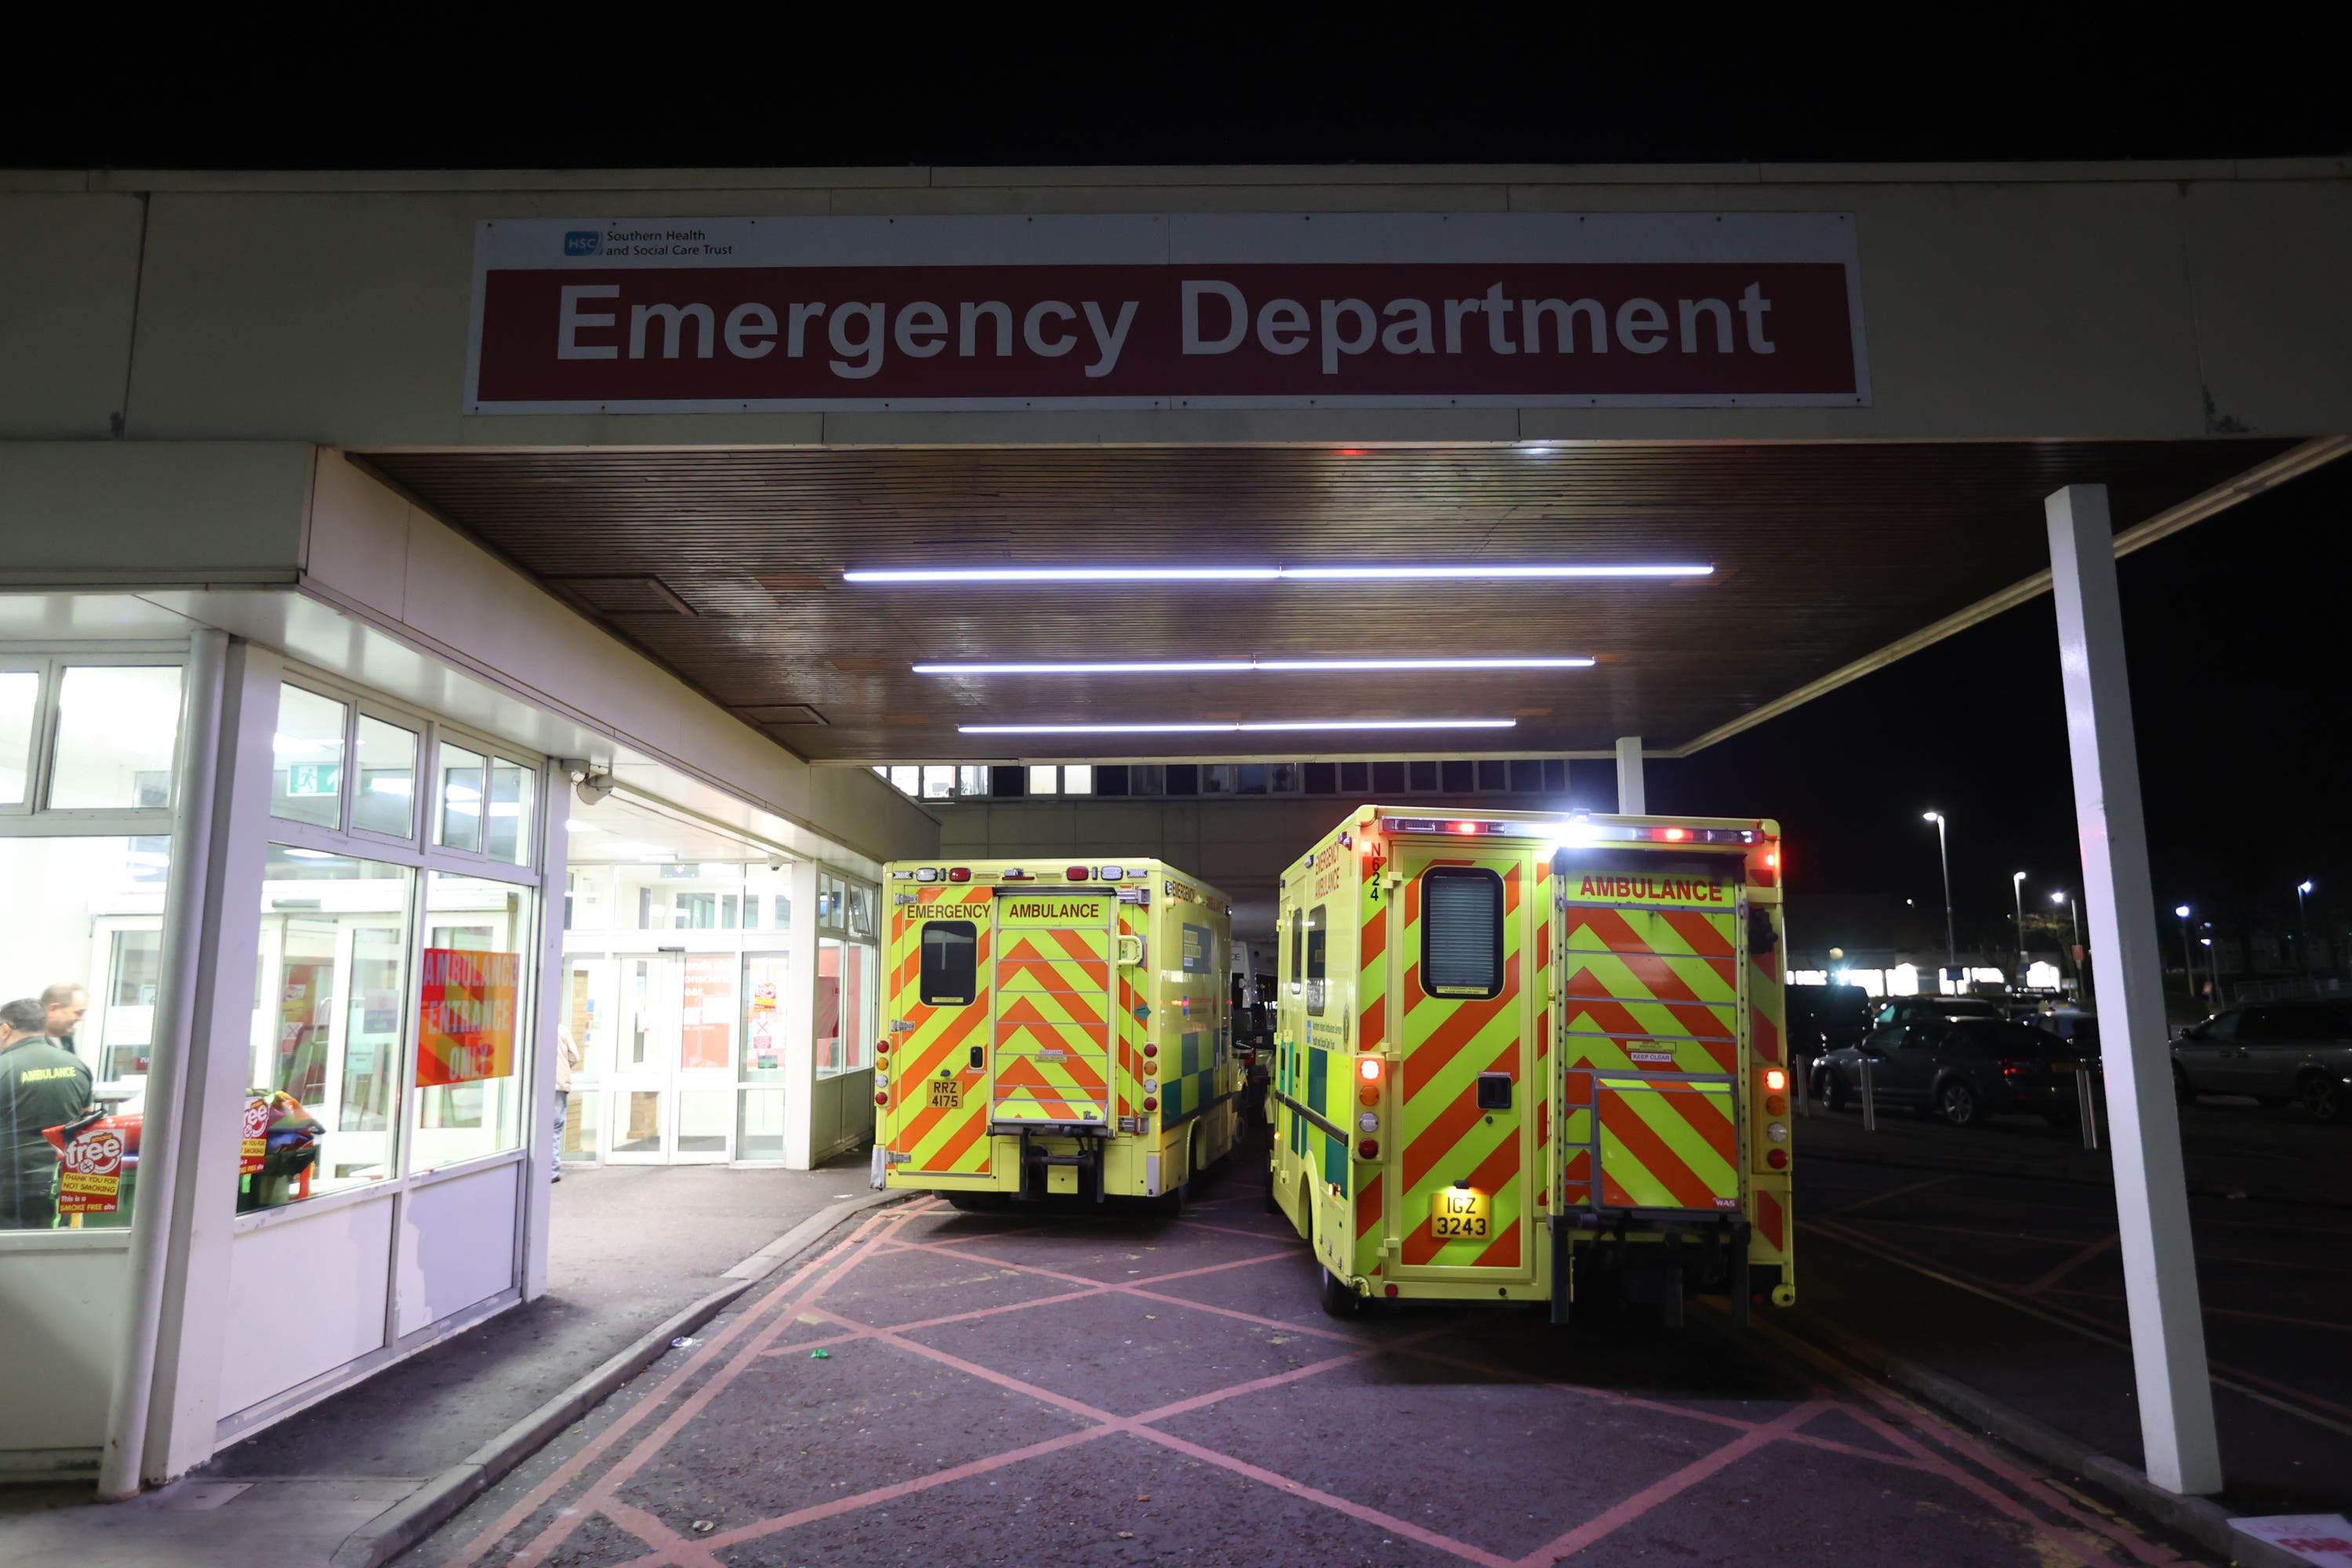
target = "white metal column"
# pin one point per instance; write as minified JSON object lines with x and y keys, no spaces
{"x":2167,"y":1333}
{"x":546,"y":1014}
{"x":1631,"y":799}
{"x":185,"y":1405}
{"x":799,"y":1002}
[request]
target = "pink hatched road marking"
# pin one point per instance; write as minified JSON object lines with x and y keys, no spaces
{"x":572,"y":1469}
{"x":607,"y":1484}
{"x":1666,"y":1488}
{"x":1372,"y":1516}
{"x":1961,"y":1443}
{"x":673,"y":1546}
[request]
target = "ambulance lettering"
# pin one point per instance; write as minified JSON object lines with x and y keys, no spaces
{"x":1652,"y":889}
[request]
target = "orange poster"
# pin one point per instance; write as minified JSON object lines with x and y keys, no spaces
{"x":466,"y":1030}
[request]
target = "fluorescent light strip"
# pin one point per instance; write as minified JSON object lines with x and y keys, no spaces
{"x":1246,"y":573}
{"x":1193,"y":728}
{"x":1225,"y":666}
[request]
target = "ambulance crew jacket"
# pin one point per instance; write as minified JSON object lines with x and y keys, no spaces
{"x":40,"y":1087}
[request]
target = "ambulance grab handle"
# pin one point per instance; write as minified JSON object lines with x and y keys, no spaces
{"x":1130,"y":950}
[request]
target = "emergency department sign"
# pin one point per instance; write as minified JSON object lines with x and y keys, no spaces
{"x":465,"y":1029}
{"x":1214,"y":310}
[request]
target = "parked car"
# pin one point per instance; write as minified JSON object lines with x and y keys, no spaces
{"x":2077,"y":1028}
{"x":1962,"y":1067}
{"x":1907,"y":1009}
{"x":2275,"y":1051}
{"x":1824,"y":1019}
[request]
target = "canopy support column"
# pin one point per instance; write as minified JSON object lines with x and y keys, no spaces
{"x":1631,"y":799}
{"x":2167,"y":1333}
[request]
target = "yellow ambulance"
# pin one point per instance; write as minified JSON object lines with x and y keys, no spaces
{"x":1054,"y":1029}
{"x":1527,"y":1056}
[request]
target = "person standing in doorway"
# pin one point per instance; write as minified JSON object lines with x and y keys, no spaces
{"x":63,"y":1003}
{"x":41,"y":1087}
{"x":567,"y":1057}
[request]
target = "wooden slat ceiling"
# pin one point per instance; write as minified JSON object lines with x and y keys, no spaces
{"x":725,"y":565}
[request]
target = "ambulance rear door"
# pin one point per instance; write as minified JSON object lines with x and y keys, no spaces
{"x":1053,"y":1028}
{"x":941,"y":1000}
{"x":1649,"y":1037}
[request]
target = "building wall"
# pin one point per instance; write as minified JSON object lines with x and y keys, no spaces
{"x":2128,"y":301}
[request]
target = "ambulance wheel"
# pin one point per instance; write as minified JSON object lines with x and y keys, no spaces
{"x":976,"y":1203}
{"x":1340,"y":1299}
{"x":1272,"y":1203}
{"x":1191,"y":1190}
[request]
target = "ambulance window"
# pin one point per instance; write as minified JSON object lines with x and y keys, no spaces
{"x":1297,"y":952}
{"x":1317,"y":930}
{"x":1461,"y":931}
{"x":951,"y":962}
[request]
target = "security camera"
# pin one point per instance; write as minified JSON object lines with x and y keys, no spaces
{"x":591,"y":787}
{"x":578,"y":768}
{"x":775,"y":865}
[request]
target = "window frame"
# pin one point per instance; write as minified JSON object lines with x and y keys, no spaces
{"x":1431,"y":875}
{"x":34,"y":815}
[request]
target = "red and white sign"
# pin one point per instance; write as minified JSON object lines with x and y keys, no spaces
{"x":1221,"y":310}
{"x":466,"y":1015}
{"x":91,"y":1181}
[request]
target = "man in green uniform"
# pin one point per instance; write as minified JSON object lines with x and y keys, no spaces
{"x":40,"y":1087}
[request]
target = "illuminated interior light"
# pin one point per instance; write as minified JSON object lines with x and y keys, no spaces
{"x":1244,"y":667}
{"x":1205,"y":728}
{"x":1403,"y":572}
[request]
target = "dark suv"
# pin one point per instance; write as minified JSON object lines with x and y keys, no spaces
{"x":1963,"y":1067}
{"x":2275,"y":1051}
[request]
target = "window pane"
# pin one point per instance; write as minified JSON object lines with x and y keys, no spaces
{"x":1355,"y":778}
{"x":702,"y":1118}
{"x":1219,"y":778}
{"x":1318,"y":944}
{"x":906,"y":781}
{"x":950,"y":966}
{"x":763,"y":1019}
{"x":1181,"y":778}
{"x":1461,"y":931}
{"x":386,"y":802}
{"x":1078,"y":779}
{"x":1321,"y":778}
{"x":328,"y":1038}
{"x":1388,"y":778}
{"x":972,"y":781}
{"x":20,"y":700}
{"x":861,"y":912}
{"x":1461,"y":777}
{"x":81,"y":1051}
{"x":116,"y":727}
{"x":1282,"y":778}
{"x":1494,"y":776}
{"x":760,"y":1125}
{"x":473,"y":1021}
{"x":1253,"y":779}
{"x":461,"y":799}
{"x":1041,"y":780}
{"x":307,"y":779}
{"x":578,"y":1142}
{"x":939,"y":781}
{"x":1527,"y":776}
{"x":507,"y":831}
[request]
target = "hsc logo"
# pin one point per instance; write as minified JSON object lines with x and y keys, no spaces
{"x":583,"y":242}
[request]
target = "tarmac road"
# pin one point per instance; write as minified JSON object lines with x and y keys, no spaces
{"x":1087,"y":1385}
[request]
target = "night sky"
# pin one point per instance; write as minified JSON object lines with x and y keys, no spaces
{"x":2236,"y":625}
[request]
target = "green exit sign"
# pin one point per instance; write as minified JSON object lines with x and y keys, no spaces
{"x":313,"y":778}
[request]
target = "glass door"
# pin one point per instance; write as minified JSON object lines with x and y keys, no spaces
{"x":709,"y":1019}
{"x":644,"y":1057}
{"x":588,"y":980}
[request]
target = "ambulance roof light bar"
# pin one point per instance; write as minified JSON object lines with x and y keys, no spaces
{"x":1574,"y":830}
{"x":895,"y":576}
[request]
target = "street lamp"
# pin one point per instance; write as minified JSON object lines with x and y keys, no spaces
{"x":2017,"y":888}
{"x":2187,"y":962}
{"x":2082,"y":976}
{"x":1944,"y":853}
{"x":2302,"y":910}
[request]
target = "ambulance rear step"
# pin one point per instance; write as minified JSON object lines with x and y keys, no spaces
{"x":1615,"y":1241}
{"x":1091,"y":1141}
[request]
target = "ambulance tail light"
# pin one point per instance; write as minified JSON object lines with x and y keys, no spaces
{"x":1776,"y":1080}
{"x":959,"y":873}
{"x":1150,"y":1102}
{"x":1367,"y":1148}
{"x":883,"y":1098}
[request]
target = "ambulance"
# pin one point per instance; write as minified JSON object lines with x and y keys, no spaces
{"x":1524,"y":1056}
{"x":1054,"y":1029}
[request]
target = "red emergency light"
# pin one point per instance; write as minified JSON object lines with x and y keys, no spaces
{"x":1465,"y":828}
{"x":1077,"y":874}
{"x":959,"y":873}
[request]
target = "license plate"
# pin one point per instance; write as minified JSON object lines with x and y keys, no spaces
{"x":1459,"y":1214}
{"x":947,"y":1094}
